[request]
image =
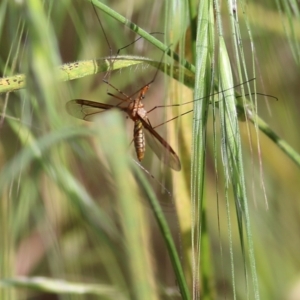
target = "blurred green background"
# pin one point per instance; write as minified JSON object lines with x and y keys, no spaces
{"x":61,"y":213}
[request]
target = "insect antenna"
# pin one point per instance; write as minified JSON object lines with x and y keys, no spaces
{"x":214,"y":94}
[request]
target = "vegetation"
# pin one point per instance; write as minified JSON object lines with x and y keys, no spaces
{"x":80,"y":218}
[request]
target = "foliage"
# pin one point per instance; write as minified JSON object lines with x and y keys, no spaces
{"x":76,"y":207}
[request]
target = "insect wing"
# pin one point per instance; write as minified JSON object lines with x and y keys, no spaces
{"x":160,"y":147}
{"x":85,"y":109}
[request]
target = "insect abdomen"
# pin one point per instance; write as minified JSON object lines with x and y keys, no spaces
{"x":139,"y":140}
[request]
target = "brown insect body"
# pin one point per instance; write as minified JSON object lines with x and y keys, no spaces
{"x":136,"y":111}
{"x":139,"y":140}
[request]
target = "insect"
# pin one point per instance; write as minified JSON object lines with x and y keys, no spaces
{"x":143,"y":132}
{"x":86,"y":110}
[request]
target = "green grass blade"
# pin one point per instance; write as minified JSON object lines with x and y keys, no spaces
{"x":148,"y":37}
{"x":233,"y":163}
{"x":80,"y":69}
{"x":131,"y":213}
{"x":265,"y":128}
{"x":203,"y":87}
{"x":49,"y":285}
{"x":166,"y":234}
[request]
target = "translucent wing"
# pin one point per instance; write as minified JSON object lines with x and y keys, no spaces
{"x":160,"y":147}
{"x":87,"y":110}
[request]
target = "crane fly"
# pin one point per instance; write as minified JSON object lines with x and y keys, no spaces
{"x":86,"y":110}
{"x":143,"y":130}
